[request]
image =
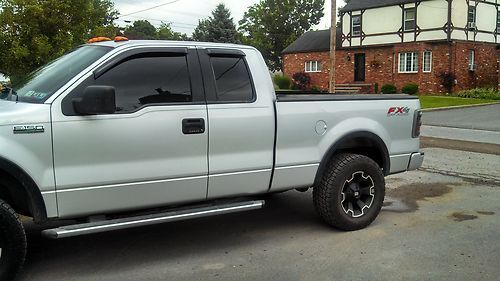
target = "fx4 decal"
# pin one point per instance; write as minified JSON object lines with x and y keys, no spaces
{"x":398,"y":111}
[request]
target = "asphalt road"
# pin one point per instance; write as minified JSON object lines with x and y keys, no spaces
{"x":440,"y":223}
{"x":478,"y":118}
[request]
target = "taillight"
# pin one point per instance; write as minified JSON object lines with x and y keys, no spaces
{"x":417,"y":123}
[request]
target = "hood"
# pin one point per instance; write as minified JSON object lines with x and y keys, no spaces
{"x":12,"y":113}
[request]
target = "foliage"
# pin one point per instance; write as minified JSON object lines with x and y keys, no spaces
{"x":272,"y":25}
{"x":34,"y":32}
{"x":442,"y":101}
{"x":376,"y":88}
{"x":141,"y":30}
{"x":388,"y":89}
{"x":301,"y":81}
{"x":410,"y":89}
{"x":144,"y":30}
{"x":218,"y":28}
{"x":165,"y":32}
{"x":480,"y":93}
{"x":283,"y":82}
{"x":316,"y":89}
{"x":201,"y":31}
{"x":447,"y":80}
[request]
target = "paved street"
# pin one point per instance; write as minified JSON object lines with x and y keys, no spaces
{"x":478,"y":118}
{"x":440,"y":223}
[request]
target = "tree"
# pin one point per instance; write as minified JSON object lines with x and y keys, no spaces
{"x":201,"y":31}
{"x":141,"y":30}
{"x":218,"y":28}
{"x":272,"y":25}
{"x":34,"y":32}
{"x":165,"y":32}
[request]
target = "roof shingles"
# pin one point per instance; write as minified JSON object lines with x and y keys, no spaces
{"x":313,"y":41}
{"x":354,"y":5}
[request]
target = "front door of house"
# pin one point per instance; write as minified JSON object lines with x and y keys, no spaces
{"x":359,"y":67}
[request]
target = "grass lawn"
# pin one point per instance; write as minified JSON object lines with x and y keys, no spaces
{"x":439,"y":101}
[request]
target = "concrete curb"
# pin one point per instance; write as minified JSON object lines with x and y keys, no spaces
{"x":458,"y":107}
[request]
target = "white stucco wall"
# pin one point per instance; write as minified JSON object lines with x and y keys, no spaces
{"x":486,"y":16}
{"x":431,"y":14}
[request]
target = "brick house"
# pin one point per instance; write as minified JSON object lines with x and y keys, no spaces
{"x":406,"y":41}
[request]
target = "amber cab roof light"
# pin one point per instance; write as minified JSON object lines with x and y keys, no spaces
{"x":120,"y":39}
{"x":104,"y":39}
{"x":98,"y":39}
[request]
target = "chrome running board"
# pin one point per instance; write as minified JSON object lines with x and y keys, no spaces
{"x":170,"y":216}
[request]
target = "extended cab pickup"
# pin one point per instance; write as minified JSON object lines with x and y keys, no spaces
{"x":123,"y":134}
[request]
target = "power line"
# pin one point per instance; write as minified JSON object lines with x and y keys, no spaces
{"x":157,"y":6}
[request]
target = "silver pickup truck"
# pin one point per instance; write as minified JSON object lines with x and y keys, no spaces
{"x":132,"y":133}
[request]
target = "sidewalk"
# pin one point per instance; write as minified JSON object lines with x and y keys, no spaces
{"x":480,"y":136}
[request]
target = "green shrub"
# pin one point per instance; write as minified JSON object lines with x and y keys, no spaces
{"x":283,"y":82}
{"x":480,"y":93}
{"x":316,"y":89}
{"x":376,"y":88}
{"x":410,"y":89}
{"x":302,"y":80}
{"x":388,"y":89}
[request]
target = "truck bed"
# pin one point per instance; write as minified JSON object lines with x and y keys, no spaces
{"x":290,"y":96}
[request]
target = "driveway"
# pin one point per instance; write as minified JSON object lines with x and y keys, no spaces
{"x":439,"y":223}
{"x":477,"y":118}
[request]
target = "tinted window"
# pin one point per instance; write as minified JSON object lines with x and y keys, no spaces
{"x":142,"y":81}
{"x":232,"y":79}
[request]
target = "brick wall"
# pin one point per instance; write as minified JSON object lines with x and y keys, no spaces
{"x":486,"y":74}
{"x":294,"y":63}
{"x":381,"y":65}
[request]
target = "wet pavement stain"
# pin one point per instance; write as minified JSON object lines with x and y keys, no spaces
{"x":485,"y":213}
{"x":411,"y":193}
{"x":461,"y":216}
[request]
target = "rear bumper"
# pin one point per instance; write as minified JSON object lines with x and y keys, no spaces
{"x":416,"y":160}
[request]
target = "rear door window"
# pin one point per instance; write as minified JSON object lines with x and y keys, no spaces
{"x":232,"y":79}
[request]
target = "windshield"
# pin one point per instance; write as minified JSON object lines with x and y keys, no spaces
{"x":38,"y":86}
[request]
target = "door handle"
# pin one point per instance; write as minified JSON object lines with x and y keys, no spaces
{"x":193,"y":126}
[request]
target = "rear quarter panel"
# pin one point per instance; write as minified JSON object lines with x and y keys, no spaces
{"x":300,"y":148}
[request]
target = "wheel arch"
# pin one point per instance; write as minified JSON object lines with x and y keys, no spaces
{"x":23,"y":193}
{"x":360,"y":142}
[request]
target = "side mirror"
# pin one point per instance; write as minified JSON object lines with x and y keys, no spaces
{"x":96,"y":100}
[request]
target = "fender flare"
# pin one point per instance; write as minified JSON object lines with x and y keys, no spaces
{"x":379,"y":144}
{"x":35,"y":202}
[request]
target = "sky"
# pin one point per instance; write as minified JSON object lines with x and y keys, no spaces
{"x":184,"y":14}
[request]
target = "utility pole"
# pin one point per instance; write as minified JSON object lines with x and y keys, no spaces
{"x":333,"y":39}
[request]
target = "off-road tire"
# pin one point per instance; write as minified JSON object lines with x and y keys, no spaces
{"x":12,"y":243}
{"x":328,"y":194}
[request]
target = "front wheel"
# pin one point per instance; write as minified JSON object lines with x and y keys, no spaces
{"x":12,"y":243}
{"x":351,"y":192}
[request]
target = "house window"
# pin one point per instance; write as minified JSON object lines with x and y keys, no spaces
{"x":408,"y":62}
{"x":356,"y":25}
{"x":313,"y":66}
{"x":410,"y":19}
{"x":471,"y":15}
{"x":472,"y":58}
{"x":427,"y":63}
{"x":498,"y":21}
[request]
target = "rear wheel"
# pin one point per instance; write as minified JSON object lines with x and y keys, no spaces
{"x":12,"y":243}
{"x":350,"y":193}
